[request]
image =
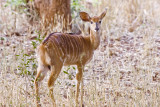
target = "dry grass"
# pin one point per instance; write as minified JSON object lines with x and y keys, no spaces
{"x":124,"y":70}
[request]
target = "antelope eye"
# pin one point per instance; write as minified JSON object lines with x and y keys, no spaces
{"x":99,"y":21}
{"x":91,"y":22}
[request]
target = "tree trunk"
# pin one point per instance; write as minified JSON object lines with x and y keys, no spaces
{"x":53,"y":12}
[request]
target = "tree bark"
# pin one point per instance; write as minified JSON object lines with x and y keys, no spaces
{"x":53,"y":12}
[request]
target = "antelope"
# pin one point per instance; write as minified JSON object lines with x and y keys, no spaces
{"x":63,"y":49}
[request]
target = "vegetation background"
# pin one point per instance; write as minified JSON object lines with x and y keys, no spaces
{"x":125,"y":70}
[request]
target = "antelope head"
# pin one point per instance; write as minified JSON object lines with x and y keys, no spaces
{"x":95,"y":27}
{"x":95,"y":22}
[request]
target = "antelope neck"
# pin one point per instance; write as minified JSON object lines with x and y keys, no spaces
{"x":95,"y":39}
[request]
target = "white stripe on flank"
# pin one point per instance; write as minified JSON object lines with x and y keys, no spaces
{"x":71,"y":56}
{"x":60,"y":47}
{"x":58,"y":54}
{"x":53,"y":47}
{"x":75,"y":52}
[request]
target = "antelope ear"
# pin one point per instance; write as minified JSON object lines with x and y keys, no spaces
{"x":103,"y":14}
{"x":84,"y":16}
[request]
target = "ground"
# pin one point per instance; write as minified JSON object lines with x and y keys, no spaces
{"x":124,"y":71}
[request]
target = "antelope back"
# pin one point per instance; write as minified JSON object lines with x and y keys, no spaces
{"x":68,"y":48}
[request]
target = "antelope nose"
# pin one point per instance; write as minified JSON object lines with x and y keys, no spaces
{"x":96,"y":28}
